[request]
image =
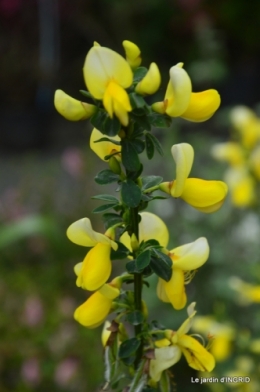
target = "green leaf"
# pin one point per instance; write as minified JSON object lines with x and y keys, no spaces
{"x":106,"y":139}
{"x":105,"y":124}
{"x":160,"y":120}
{"x":136,"y":317}
{"x":139,"y":74}
{"x":106,"y":197}
{"x":131,"y":267}
{"x":103,"y":208}
{"x":134,"y":175}
{"x":111,"y":126}
{"x":161,"y":265}
{"x":139,"y":145}
{"x":129,"y":155}
{"x":143,"y":260}
{"x":149,"y":146}
{"x":86,"y":94}
{"x":131,"y":193}
{"x":137,"y":101}
{"x":156,"y":143}
{"x":129,"y":347}
{"x":140,"y":117}
{"x":165,"y":382}
{"x":111,"y":219}
{"x":106,"y":177}
{"x":121,"y":253}
{"x":150,"y":181}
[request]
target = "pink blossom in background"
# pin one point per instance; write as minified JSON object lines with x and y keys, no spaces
{"x":72,"y":161}
{"x":30,"y":371}
{"x":33,"y":312}
{"x":65,"y":371}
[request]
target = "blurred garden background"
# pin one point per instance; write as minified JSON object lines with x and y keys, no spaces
{"x":47,"y":181}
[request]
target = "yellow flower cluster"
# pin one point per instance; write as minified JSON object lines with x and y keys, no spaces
{"x":243,"y":156}
{"x":109,"y":76}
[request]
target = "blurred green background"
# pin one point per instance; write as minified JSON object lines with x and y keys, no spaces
{"x":47,"y":172}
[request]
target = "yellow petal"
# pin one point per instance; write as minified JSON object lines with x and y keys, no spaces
{"x":230,"y":152}
{"x":109,"y":291}
{"x":207,"y":196}
{"x":150,"y":227}
{"x":165,"y":357}
{"x":196,"y":355}
{"x":178,"y":92}
{"x":243,"y":193}
{"x":202,"y":106}
{"x":94,"y":311}
{"x":105,"y":148}
{"x":81,"y":233}
{"x":71,"y":108}
{"x":151,"y":81}
{"x":175,"y":289}
{"x":160,"y":291}
{"x":116,"y":100}
{"x":191,"y":256}
{"x":162,"y":343}
{"x":96,"y":268}
{"x":105,"y":333}
{"x":183,"y":155}
{"x":133,"y":54}
{"x":103,"y":65}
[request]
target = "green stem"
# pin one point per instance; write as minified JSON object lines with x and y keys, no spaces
{"x":138,"y":285}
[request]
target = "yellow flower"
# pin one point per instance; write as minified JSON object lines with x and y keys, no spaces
{"x":249,"y":293}
{"x":71,"y":108}
{"x":180,"y":343}
{"x":150,"y":82}
{"x":241,"y":185}
{"x":94,"y":311}
{"x":230,"y":152}
{"x":150,"y":227}
{"x":222,"y":336}
{"x":95,"y":269}
{"x":247,"y":124}
{"x":133,"y":54}
{"x":179,"y":101}
{"x":185,"y":258}
{"x":107,"y":75}
{"x":104,"y":148}
{"x":205,"y":196}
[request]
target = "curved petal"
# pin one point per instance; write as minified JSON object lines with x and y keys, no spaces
{"x":81,"y":233}
{"x":71,"y":108}
{"x":105,"y":148}
{"x":151,"y":81}
{"x":116,"y":100}
{"x":175,"y":289}
{"x":150,"y":227}
{"x":109,"y":291}
{"x":165,"y":357}
{"x":178,"y":92}
{"x":191,"y":256}
{"x":133,"y":54}
{"x":103,"y":65}
{"x":96,"y":268}
{"x":196,"y":355}
{"x":202,"y":194}
{"x":94,"y":311}
{"x":202,"y":106}
{"x":160,"y":291}
{"x":183,"y":155}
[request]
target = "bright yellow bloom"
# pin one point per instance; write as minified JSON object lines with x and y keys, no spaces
{"x":241,"y":185}
{"x":180,"y":343}
{"x":107,"y":75}
{"x":133,"y":54}
{"x":71,"y":108}
{"x":222,"y":336}
{"x":150,"y":227}
{"x":94,"y":311}
{"x":247,"y":124}
{"x":104,"y":148}
{"x":230,"y":152}
{"x":179,"y":101}
{"x":185,"y":258}
{"x":150,"y":82}
{"x":95,"y":269}
{"x":205,"y":196}
{"x":248,"y":293}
